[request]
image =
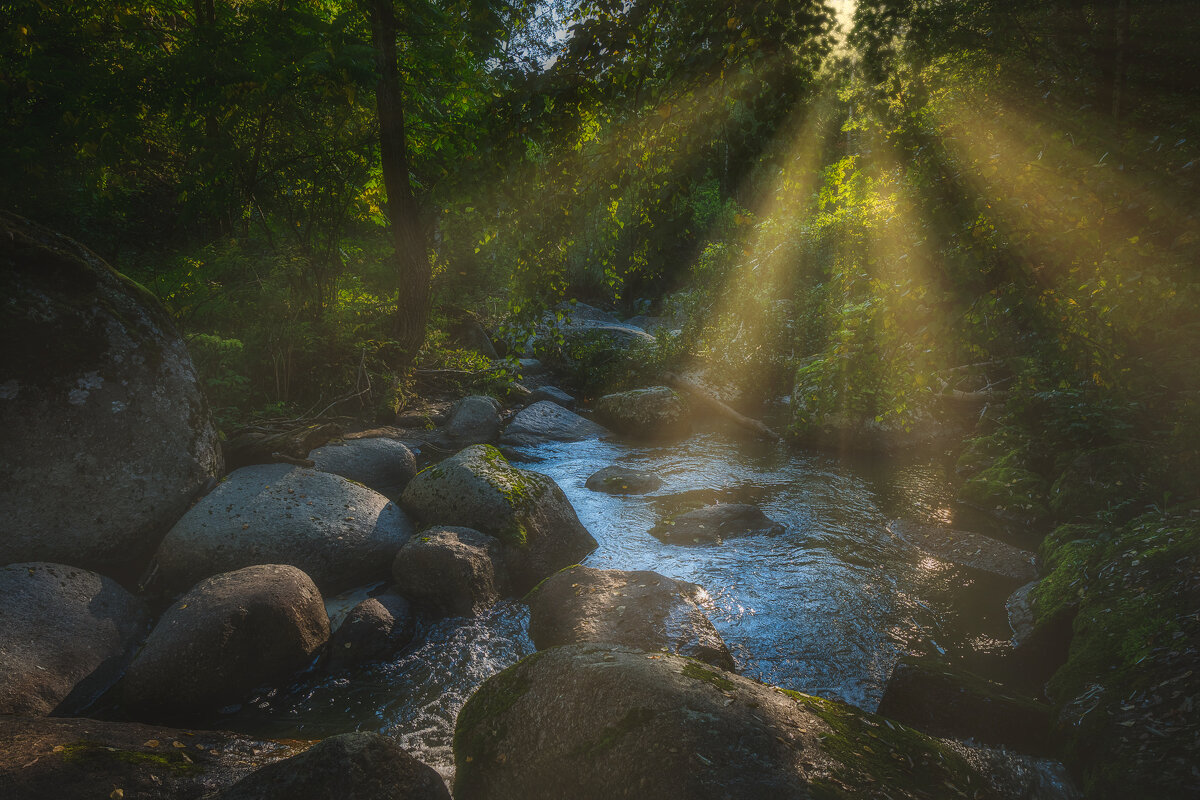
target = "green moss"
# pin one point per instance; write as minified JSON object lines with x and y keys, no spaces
{"x":869,"y":750}
{"x":1132,"y":659}
{"x":695,"y":671}
{"x":1008,"y":486}
{"x":530,"y":594}
{"x":478,"y":729}
{"x":86,"y":752}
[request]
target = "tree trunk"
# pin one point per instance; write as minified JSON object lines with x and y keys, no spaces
{"x":412,"y":260}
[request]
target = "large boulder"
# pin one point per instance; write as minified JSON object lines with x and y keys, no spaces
{"x":713,"y":524}
{"x":594,"y":721}
{"x":622,"y":480}
{"x":642,"y":609}
{"x":84,"y":759}
{"x":528,"y":512}
{"x":547,"y":421}
{"x":451,"y":571}
{"x":355,"y":766}
{"x":340,"y":533}
{"x":943,"y":700}
{"x":473,"y":420}
{"x":967,"y":549}
{"x":657,"y":412}
{"x":107,"y":436}
{"x":374,"y":629}
{"x":229,"y":635}
{"x":378,"y":463}
{"x":65,"y":636}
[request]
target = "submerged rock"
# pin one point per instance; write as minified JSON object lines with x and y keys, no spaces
{"x":339,"y":533}
{"x":715,"y":523}
{"x":968,"y":549}
{"x":354,"y":766}
{"x":451,"y":571}
{"x":378,"y":463}
{"x":528,"y":512}
{"x":656,"y":412}
{"x":83,"y":759}
{"x":595,"y":721}
{"x":65,"y":636}
{"x":642,"y":609}
{"x":229,"y":635}
{"x":546,"y":421}
{"x":944,"y":701}
{"x":374,"y":629}
{"x":107,"y":436}
{"x":622,"y":480}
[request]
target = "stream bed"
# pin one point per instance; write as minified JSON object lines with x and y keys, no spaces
{"x":825,"y":607}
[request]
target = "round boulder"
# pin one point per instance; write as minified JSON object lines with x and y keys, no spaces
{"x":229,"y":635}
{"x":107,"y":436}
{"x":654,"y":413}
{"x":528,"y":512}
{"x":622,"y":480}
{"x":594,"y":721}
{"x":65,"y":636}
{"x":384,"y":465}
{"x":373,"y":630}
{"x":357,"y":766}
{"x":642,"y":609}
{"x":451,"y":571}
{"x":715,"y":523}
{"x":547,"y":421}
{"x":340,"y":533}
{"x":473,"y":420}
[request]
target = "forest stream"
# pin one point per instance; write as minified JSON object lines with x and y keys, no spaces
{"x":825,"y":608}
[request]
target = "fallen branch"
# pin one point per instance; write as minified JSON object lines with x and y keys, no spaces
{"x":702,"y":395}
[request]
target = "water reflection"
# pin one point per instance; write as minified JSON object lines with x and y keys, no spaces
{"x":826,"y":607}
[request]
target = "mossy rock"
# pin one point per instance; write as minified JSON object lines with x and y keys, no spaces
{"x":656,"y":412}
{"x":943,"y":700}
{"x":1123,"y":695}
{"x":75,"y":758}
{"x":1106,"y":482}
{"x":596,"y":721}
{"x":528,"y":512}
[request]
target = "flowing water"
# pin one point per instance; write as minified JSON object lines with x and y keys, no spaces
{"x":825,"y":607}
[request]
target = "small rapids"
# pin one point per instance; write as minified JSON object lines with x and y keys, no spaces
{"x":825,"y":608}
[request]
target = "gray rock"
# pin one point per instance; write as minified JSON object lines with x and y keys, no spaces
{"x":554,"y":395}
{"x":942,"y":700}
{"x":378,"y":463}
{"x":477,"y":488}
{"x":85,"y":759}
{"x":531,"y":366}
{"x":451,"y":571}
{"x":374,"y":629}
{"x":546,"y":421}
{"x":354,"y":766}
{"x":1021,"y":617}
{"x":229,"y":635}
{"x":107,"y":436}
{"x":65,"y":636}
{"x":973,"y":550}
{"x":712,"y":524}
{"x":656,"y":412}
{"x":469,"y":333}
{"x":340,"y":533}
{"x":642,"y":610}
{"x":598,"y":722}
{"x":474,"y":420}
{"x":622,"y":480}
